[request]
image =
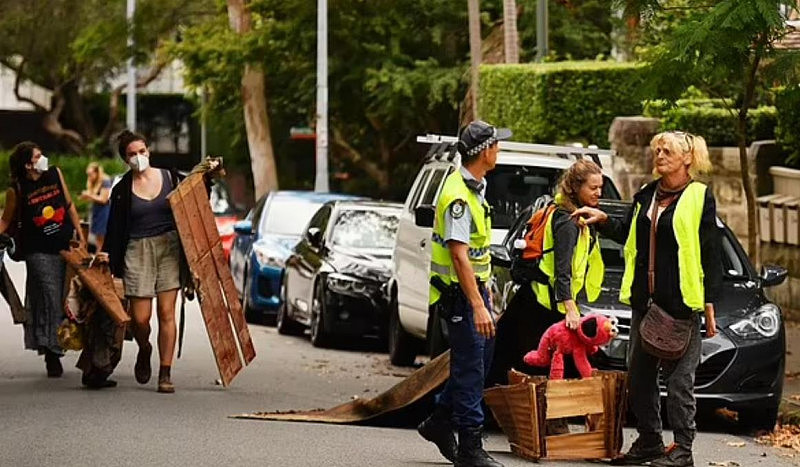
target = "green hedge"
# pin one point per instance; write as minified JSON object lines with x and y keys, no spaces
{"x":560,"y":101}
{"x":717,"y":125}
{"x":74,"y":170}
{"x":787,"y":101}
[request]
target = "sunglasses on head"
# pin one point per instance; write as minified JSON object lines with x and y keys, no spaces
{"x":688,"y":137}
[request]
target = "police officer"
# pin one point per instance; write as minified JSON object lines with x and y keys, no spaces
{"x":460,"y":266}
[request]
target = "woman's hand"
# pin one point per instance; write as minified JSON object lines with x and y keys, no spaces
{"x":573,"y":317}
{"x":587,"y":215}
{"x":85,"y":195}
{"x":711,"y":321}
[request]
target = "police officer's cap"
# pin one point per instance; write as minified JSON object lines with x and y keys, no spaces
{"x":478,"y":136}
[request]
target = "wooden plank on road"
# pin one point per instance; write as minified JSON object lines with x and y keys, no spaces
{"x":219,"y":303}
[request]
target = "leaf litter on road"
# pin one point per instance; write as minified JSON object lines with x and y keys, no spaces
{"x":784,"y":436}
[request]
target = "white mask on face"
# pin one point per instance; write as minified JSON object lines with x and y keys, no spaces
{"x":41,"y":165}
{"x":139,"y":163}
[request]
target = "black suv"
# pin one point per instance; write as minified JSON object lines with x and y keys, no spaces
{"x":741,"y":368}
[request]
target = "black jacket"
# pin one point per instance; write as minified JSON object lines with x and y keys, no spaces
{"x":118,"y":230}
{"x":667,"y":292}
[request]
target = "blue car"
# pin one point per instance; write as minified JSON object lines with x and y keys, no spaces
{"x":264,"y":240}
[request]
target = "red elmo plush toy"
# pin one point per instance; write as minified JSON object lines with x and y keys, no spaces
{"x":594,"y":331}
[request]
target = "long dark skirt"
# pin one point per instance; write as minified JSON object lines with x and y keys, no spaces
{"x":519,"y":331}
{"x":44,"y":299}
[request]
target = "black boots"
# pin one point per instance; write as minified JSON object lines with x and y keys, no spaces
{"x":438,"y":429}
{"x":677,"y":456}
{"x":644,"y":449}
{"x":52,"y":362}
{"x":470,"y":449}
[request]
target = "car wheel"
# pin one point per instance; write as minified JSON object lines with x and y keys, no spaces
{"x":285,"y":324}
{"x":320,"y":337}
{"x":402,"y":345}
{"x":437,"y":342}
{"x":250,"y":314}
{"x":759,"y":418}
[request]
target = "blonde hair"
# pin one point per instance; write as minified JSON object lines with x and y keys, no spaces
{"x":681,"y":142}
{"x":571,"y":181}
{"x":94,"y":187}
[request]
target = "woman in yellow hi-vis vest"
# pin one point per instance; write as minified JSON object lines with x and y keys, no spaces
{"x":681,"y":274}
{"x":572,"y":262}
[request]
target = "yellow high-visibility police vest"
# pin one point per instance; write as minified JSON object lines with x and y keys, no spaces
{"x":686,"y":225}
{"x":587,"y":267}
{"x":479,"y":238}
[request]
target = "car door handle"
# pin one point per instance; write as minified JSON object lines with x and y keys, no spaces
{"x":423,"y":242}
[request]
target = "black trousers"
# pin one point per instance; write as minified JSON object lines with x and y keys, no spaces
{"x":519,"y":331}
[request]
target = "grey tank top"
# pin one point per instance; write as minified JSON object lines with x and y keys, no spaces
{"x":154,"y":217}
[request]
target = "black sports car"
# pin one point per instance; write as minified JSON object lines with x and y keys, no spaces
{"x":338,"y":277}
{"x":741,"y":368}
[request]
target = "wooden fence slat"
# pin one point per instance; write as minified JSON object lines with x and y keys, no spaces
{"x":219,"y":302}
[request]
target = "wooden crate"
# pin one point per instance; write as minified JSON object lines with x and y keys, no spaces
{"x":523,"y":407}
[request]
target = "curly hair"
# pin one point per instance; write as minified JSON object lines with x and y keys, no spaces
{"x":20,"y":155}
{"x":125,"y":138}
{"x":571,"y":181}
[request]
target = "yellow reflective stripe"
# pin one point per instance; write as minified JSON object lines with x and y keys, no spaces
{"x":629,"y":253}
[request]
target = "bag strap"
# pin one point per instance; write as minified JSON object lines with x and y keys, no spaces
{"x":651,"y":262}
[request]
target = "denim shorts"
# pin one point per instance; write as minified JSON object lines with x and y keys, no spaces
{"x":152,"y":265}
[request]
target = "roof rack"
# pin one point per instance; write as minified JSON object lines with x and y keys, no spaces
{"x":442,"y":144}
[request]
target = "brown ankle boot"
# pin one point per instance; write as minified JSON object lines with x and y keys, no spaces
{"x":164,"y":381}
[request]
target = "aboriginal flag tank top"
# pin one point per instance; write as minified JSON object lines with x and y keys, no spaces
{"x":45,"y":216}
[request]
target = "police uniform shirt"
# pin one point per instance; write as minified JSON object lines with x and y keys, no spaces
{"x":457,"y":218}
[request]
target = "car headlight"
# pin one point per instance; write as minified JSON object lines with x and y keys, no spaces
{"x":267,"y":258}
{"x":765,"y":322}
{"x":347,"y":284}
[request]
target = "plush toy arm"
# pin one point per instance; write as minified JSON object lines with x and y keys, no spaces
{"x":593,"y":350}
{"x":557,"y":365}
{"x":582,"y":362}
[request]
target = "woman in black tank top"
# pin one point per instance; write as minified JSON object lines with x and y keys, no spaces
{"x":145,"y":252}
{"x":38,"y":202}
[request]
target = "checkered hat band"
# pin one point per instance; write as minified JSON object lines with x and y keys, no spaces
{"x":477,"y":149}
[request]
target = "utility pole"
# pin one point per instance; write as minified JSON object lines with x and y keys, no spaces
{"x":321,"y":179}
{"x":510,"y":35}
{"x":541,"y":30}
{"x":131,"y":94}
{"x":474,"y":13}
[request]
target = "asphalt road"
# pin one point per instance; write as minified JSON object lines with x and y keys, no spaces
{"x":53,"y":422}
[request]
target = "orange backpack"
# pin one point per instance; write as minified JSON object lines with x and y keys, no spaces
{"x":534,"y":234}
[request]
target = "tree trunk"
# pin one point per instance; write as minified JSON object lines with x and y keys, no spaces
{"x":474,"y":12}
{"x":510,"y":36}
{"x":75,"y":115}
{"x":254,"y":100}
{"x":70,"y":139}
{"x":753,"y":241}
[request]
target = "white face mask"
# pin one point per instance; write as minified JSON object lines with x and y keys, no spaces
{"x":139,"y":163}
{"x":41,"y":165}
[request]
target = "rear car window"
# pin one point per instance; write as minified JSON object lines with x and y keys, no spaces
{"x":510,"y":189}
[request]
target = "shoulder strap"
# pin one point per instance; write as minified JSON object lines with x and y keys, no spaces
{"x":651,"y":262}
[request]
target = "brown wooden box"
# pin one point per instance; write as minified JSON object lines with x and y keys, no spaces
{"x":523,"y":407}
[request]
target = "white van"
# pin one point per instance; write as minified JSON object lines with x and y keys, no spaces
{"x":523,"y":173}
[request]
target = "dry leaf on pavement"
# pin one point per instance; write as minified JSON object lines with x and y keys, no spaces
{"x":736,"y":444}
{"x":785,"y":436}
{"x":724,"y":464}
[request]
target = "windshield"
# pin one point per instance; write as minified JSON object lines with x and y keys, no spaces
{"x":512,"y":188}
{"x":287,"y":217}
{"x":365,"y":229}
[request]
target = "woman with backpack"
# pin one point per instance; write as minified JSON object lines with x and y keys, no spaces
{"x":673,"y":274}
{"x":40,"y":209}
{"x":567,"y":261}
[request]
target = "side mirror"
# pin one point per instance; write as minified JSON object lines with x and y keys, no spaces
{"x":500,"y":256}
{"x":424,"y":215}
{"x":314,"y":236}
{"x":772,"y":275}
{"x":244,"y":227}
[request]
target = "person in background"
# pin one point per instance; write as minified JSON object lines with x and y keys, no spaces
{"x":685,"y":283}
{"x":98,"y":190}
{"x":38,"y":202}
